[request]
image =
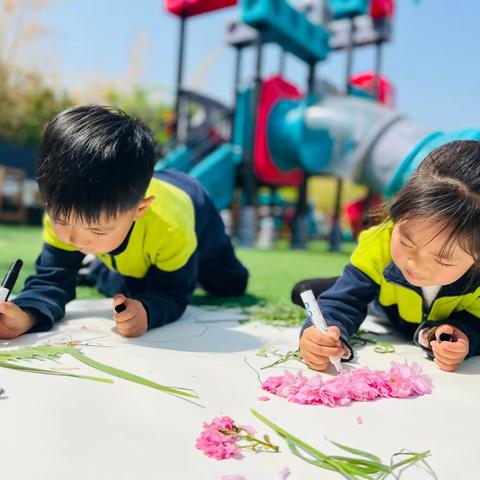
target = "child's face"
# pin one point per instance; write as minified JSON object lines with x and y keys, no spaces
{"x":416,"y":249}
{"x":101,"y":237}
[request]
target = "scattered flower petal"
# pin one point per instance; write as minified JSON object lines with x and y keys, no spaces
{"x":234,"y":477}
{"x":360,"y":385}
{"x":264,"y":398}
{"x":284,"y":473}
{"x":359,"y":419}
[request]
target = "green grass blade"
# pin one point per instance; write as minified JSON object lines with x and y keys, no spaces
{"x":324,"y":462}
{"x":51,"y":372}
{"x":349,"y":470}
{"x":356,"y":451}
{"x":415,"y":457}
{"x":116,"y":372}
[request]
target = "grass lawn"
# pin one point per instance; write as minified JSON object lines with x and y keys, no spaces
{"x":272,"y":272}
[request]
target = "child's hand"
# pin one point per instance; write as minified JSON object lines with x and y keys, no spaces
{"x":316,"y":347}
{"x":131,"y":322}
{"x":13,"y":321}
{"x":449,"y":355}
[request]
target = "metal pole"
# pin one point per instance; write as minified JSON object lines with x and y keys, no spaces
{"x":378,"y":69}
{"x":336,"y":232}
{"x":349,"y":64}
{"x":300,"y":233}
{"x":248,"y":218}
{"x":236,"y":86}
{"x":179,"y":80}
{"x":250,"y":174}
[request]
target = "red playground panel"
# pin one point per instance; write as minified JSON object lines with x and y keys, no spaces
{"x":381,"y":9}
{"x":366,"y":81}
{"x":188,"y":8}
{"x":273,"y":89}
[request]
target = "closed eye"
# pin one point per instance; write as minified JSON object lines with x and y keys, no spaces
{"x":443,"y":264}
{"x":404,"y":244}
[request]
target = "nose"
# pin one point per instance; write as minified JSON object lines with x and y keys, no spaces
{"x":414,"y":266}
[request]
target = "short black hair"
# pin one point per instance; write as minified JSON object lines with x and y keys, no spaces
{"x":446,"y":188}
{"x":94,"y":159}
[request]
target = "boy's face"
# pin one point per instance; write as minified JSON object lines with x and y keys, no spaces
{"x":416,"y":249}
{"x":101,"y":237}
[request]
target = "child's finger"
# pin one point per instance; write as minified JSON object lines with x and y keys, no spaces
{"x":446,"y":366}
{"x":459,"y":347}
{"x":125,"y":316}
{"x":7,"y":308}
{"x":333,"y":332}
{"x":447,"y":358}
{"x":320,"y":338}
{"x":322,"y":350}
{"x":314,"y":362}
{"x":130,"y":328}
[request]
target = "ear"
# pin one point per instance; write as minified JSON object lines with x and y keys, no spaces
{"x":143,"y":206}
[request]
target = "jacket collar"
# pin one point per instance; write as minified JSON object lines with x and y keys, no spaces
{"x":465,"y":283}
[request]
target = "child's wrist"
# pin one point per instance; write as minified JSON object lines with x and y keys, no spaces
{"x":31,"y":319}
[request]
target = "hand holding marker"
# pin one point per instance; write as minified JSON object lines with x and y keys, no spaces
{"x":315,"y":315}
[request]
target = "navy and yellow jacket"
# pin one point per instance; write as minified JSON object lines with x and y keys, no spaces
{"x":371,"y":275}
{"x":158,"y":259}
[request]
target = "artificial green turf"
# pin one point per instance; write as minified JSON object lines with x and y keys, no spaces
{"x":272,"y":272}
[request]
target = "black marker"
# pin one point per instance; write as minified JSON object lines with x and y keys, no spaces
{"x":445,"y":337}
{"x":121,"y":307}
{"x":9,"y":280}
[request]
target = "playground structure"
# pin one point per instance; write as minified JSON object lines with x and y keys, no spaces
{"x":276,"y":135}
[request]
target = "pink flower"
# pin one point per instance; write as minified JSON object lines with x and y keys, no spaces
{"x":361,"y":385}
{"x":218,"y":439}
{"x":221,"y":437}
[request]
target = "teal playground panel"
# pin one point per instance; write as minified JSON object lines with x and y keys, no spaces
{"x":179,"y":159}
{"x":217,"y":173}
{"x":282,"y":24}
{"x":421,"y":150}
{"x":347,"y":8}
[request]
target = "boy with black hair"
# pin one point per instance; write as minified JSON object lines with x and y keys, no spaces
{"x":157,"y":236}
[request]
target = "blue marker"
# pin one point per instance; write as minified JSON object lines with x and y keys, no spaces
{"x":315,"y":315}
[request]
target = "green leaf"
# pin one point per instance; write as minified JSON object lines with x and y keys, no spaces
{"x":368,"y":466}
{"x":383,"y":347}
{"x":51,"y":372}
{"x":115,"y":372}
{"x":356,"y":451}
{"x":54,"y":352}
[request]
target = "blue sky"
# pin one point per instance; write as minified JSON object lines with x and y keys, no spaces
{"x":433,"y":58}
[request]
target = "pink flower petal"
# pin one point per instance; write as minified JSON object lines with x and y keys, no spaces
{"x":360,"y":385}
{"x":264,"y":398}
{"x":284,"y":473}
{"x":234,"y":477}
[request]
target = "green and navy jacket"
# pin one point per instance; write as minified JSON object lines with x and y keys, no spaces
{"x":158,"y":259}
{"x":371,"y":276}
